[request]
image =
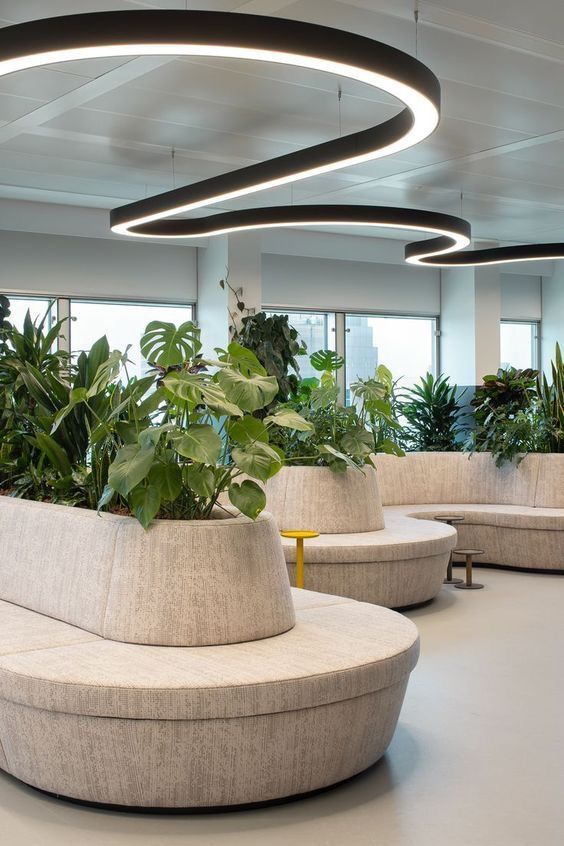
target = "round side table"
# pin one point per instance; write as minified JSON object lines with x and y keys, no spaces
{"x":450,"y":520}
{"x":299,"y":536}
{"x":469,"y":554}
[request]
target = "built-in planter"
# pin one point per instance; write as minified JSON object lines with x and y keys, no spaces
{"x":317,"y":499}
{"x":181,"y":583}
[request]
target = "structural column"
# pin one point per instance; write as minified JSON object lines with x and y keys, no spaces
{"x":552,"y":326}
{"x":237,"y":258}
{"x":470,"y":324}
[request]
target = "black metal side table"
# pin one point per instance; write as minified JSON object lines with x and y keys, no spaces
{"x":469,"y":554}
{"x":450,"y":520}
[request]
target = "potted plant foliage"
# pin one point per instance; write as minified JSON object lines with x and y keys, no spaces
{"x":329,"y":483}
{"x":179,"y":453}
{"x":432,"y":413}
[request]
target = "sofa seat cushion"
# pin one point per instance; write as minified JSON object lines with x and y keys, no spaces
{"x":338,"y":650}
{"x":23,"y":630}
{"x":401,"y":540}
{"x":503,"y":516}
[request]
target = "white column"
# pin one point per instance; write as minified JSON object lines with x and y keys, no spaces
{"x":237,"y":257}
{"x":470,"y":323}
{"x":552,"y":325}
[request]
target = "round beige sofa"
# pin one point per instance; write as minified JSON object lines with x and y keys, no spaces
{"x":283,"y":701}
{"x":515,"y":513}
{"x":363,"y":551}
{"x":372,"y":549}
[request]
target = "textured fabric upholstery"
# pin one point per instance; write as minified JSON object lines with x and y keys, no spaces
{"x":402,"y":539}
{"x":179,"y":583}
{"x":337,"y":651}
{"x":550,"y":485}
{"x":57,"y":560}
{"x":198,"y":582}
{"x":198,"y":763}
{"x":316,"y":498}
{"x":445,"y":477}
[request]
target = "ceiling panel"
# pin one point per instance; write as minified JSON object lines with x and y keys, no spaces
{"x":500,"y":142}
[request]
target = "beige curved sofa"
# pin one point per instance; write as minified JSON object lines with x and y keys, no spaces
{"x":515,"y":513}
{"x":363,"y":552}
{"x":90,"y":715}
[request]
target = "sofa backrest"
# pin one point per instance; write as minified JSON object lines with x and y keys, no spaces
{"x":455,"y":477}
{"x":47,"y":567}
{"x":550,"y":484}
{"x":181,"y":583}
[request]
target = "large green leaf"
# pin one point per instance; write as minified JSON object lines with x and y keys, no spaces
{"x":130,"y":467}
{"x":287,"y":418}
{"x":324,"y":360}
{"x":200,"y":479}
{"x":197,"y":389}
{"x":247,"y":392}
{"x":56,"y":455}
{"x":242,"y":358}
{"x":166,"y":345}
{"x":259,"y":460}
{"x":167,"y":478}
{"x":358,"y":443}
{"x":76,"y":396}
{"x":200,"y":442}
{"x":145,"y":502}
{"x":248,"y":498}
{"x":248,"y":430}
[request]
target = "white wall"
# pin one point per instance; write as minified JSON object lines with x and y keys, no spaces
{"x":331,"y":284}
{"x":552,"y":326}
{"x":520,"y":297}
{"x":96,"y":267}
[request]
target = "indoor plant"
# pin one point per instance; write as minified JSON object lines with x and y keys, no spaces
{"x":432,"y":413}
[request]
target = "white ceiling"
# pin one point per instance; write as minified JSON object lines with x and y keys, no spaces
{"x":99,"y":133}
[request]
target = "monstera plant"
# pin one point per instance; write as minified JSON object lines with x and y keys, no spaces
{"x":338,"y":436}
{"x":204,"y":438}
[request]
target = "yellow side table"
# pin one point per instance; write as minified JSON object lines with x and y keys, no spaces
{"x":299,"y":537}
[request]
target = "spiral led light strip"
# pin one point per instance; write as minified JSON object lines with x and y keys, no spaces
{"x":287,"y":42}
{"x":228,"y":35}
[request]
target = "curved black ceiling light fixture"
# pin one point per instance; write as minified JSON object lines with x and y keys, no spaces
{"x":453,"y":232}
{"x":419,"y":254}
{"x":254,"y":37}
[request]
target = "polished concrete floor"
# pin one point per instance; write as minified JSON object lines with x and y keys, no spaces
{"x":477,"y":760}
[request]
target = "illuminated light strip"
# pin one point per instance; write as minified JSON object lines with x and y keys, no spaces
{"x":251,"y":37}
{"x":487,"y":257}
{"x":453,"y":232}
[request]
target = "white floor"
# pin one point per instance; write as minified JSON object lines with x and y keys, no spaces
{"x":477,"y":760}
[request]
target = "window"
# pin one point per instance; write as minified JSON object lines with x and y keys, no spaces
{"x":122,"y":323}
{"x":316,"y":329}
{"x":406,"y":345}
{"x":519,"y":344}
{"x":37,"y":306}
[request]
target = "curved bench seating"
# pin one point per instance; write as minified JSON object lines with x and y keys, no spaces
{"x":126,"y":724}
{"x":514,"y":513}
{"x":361,"y":553}
{"x":401,"y":565}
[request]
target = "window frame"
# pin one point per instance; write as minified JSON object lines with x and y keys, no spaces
{"x":436,"y":348}
{"x":535,"y":326}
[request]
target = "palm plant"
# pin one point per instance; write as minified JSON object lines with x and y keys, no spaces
{"x":432,"y":412}
{"x":551,"y":405}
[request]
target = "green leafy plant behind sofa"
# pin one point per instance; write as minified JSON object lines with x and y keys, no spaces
{"x":432,"y":414}
{"x":339,"y":436}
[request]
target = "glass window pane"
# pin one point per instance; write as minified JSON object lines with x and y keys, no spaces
{"x":122,"y":323}
{"x":37,"y":308}
{"x":405,"y":345}
{"x":517,"y":343}
{"x":316,"y":330}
